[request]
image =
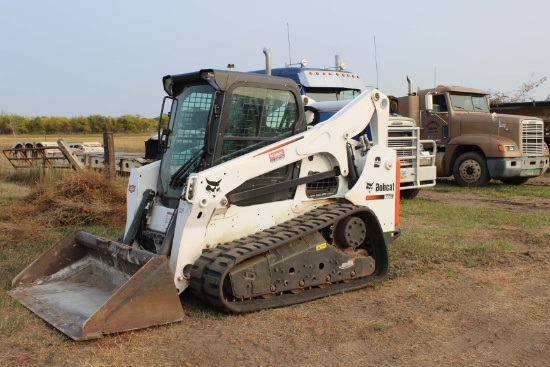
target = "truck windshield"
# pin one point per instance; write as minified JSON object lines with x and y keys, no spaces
{"x":329,"y":94}
{"x":471,"y":103}
{"x":188,"y":122}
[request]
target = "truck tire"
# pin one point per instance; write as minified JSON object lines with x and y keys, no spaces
{"x":408,"y":194}
{"x":470,"y":170}
{"x":514,"y":180}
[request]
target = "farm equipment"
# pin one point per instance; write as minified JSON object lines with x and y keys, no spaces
{"x":249,"y":206}
{"x":55,"y":155}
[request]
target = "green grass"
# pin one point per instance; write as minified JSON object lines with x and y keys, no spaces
{"x":511,"y":192}
{"x":464,"y":217}
{"x":435,"y":234}
{"x":32,"y":176}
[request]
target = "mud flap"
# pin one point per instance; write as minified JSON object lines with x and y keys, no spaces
{"x":86,"y":287}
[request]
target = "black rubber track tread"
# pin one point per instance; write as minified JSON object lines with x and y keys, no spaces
{"x":212,"y":267}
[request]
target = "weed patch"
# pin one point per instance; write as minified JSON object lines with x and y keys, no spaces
{"x":77,"y":199}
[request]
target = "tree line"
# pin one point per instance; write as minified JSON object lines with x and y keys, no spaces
{"x":524,"y":93}
{"x":16,"y":124}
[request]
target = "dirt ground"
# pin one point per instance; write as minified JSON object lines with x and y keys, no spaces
{"x":496,"y":315}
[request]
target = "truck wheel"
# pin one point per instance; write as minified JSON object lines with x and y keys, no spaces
{"x":470,"y":170}
{"x":514,"y":180}
{"x":409,"y":194}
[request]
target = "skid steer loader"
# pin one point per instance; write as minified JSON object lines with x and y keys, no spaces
{"x":249,"y":207}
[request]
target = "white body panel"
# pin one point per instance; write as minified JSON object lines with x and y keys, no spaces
{"x":141,"y":179}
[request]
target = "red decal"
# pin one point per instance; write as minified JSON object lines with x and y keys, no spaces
{"x":132,"y":188}
{"x":279,"y":146}
{"x":276,"y":155}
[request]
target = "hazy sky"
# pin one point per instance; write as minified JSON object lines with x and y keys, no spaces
{"x":71,"y":58}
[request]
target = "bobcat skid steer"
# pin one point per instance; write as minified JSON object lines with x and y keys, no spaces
{"x":249,"y":207}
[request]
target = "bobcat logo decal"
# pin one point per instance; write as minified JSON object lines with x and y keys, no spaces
{"x":213,"y":186}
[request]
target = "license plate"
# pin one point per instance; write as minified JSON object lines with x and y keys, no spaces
{"x":530,"y":172}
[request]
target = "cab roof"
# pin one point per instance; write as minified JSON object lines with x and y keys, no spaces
{"x":450,"y":89}
{"x":220,"y":80}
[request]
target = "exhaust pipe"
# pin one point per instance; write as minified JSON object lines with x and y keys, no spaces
{"x":409,"y":81}
{"x":267,"y":61}
{"x":339,"y":64}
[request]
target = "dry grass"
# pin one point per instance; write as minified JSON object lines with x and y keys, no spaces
{"x":11,"y":192}
{"x":77,"y":199}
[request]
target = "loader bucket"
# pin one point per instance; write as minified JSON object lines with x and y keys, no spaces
{"x":87,"y":287}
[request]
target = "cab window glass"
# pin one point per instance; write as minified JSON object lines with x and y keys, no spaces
{"x":461,"y":102}
{"x":481,"y":104}
{"x":257,"y":117}
{"x":470,"y":103}
{"x":440,"y":104}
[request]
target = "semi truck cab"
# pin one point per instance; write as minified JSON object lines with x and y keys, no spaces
{"x":475,"y":145}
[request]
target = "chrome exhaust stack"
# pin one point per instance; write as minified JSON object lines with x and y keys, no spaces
{"x":267,"y":61}
{"x":409,"y":82}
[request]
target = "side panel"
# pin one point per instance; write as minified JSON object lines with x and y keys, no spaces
{"x":141,"y":179}
{"x":377,"y":186}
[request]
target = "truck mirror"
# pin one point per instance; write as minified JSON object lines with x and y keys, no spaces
{"x":428,"y":103}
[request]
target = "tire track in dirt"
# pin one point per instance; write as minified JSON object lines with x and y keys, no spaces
{"x":541,"y":205}
{"x":512,"y":344}
{"x":538,"y":181}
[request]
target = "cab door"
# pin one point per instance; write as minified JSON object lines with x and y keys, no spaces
{"x":437,"y":122}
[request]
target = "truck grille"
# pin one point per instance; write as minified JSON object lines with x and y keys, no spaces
{"x":403,"y":141}
{"x":532,"y":142}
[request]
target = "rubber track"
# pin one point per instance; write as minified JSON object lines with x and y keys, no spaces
{"x":212,"y":267}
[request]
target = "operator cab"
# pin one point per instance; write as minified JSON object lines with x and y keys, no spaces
{"x":217,"y":116}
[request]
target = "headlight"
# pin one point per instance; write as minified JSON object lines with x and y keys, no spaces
{"x":507,"y":148}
